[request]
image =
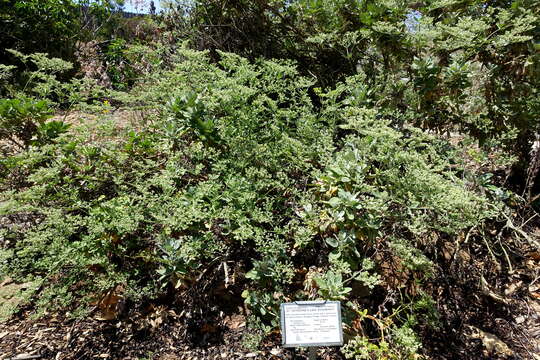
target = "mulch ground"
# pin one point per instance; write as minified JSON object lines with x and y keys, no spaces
{"x":54,"y":337}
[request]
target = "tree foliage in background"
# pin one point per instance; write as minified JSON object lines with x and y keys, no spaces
{"x":476,"y":68}
{"x":326,"y":38}
{"x":48,"y":26}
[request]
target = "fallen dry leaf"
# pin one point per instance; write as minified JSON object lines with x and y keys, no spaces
{"x":534,"y":290}
{"x":492,"y":343}
{"x":234,"y":322}
{"x":110,"y":304}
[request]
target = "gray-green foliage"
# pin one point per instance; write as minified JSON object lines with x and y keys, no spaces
{"x":43,"y":78}
{"x":249,"y":162}
{"x":391,"y":177}
{"x":476,"y":69}
{"x":236,"y":164}
{"x":443,"y":65}
{"x":153,"y":207}
{"x":403,"y":344}
{"x":386,"y":191}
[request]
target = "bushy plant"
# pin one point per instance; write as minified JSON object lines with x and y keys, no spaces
{"x":381,"y":197}
{"x":236,"y":164}
{"x":22,"y":119}
{"x":43,"y":78}
{"x":218,"y":189}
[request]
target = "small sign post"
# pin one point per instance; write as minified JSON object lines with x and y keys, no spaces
{"x":311,"y":324}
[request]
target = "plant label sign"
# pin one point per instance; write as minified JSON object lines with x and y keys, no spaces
{"x":311,"y":323}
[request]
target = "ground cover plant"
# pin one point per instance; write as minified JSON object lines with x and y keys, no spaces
{"x":371,"y":154}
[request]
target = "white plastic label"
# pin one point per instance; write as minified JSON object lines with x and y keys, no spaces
{"x":311,"y":323}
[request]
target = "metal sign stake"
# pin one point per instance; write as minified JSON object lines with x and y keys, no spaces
{"x":312,"y":354}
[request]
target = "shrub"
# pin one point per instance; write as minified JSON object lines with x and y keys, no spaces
{"x":238,"y":165}
{"x":225,"y":182}
{"x":22,"y":119}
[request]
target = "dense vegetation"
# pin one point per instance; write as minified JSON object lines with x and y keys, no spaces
{"x":380,"y":153}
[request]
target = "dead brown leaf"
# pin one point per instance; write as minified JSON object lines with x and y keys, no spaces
{"x":492,"y":343}
{"x":110,"y":304}
{"x":234,"y":322}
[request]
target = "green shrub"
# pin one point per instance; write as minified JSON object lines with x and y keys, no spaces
{"x":217,"y":188}
{"x":22,"y":119}
{"x":381,"y":197}
{"x":238,"y":165}
{"x":50,"y":26}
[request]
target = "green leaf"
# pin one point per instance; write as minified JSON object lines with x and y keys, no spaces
{"x":252,"y":274}
{"x":334,"y":202}
{"x":331,"y":241}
